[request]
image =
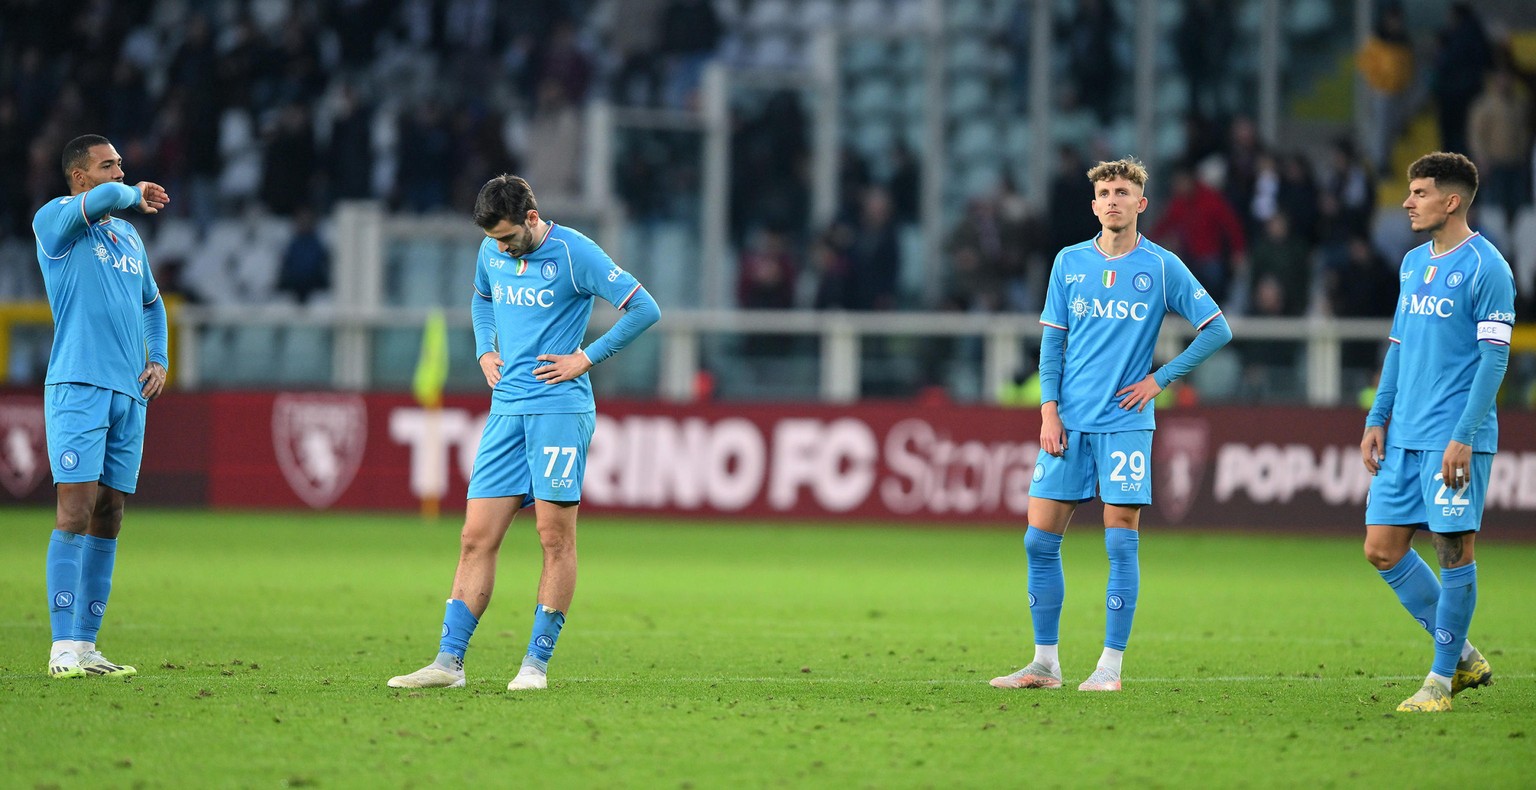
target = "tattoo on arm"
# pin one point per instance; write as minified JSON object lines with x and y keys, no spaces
{"x":1448,"y":549}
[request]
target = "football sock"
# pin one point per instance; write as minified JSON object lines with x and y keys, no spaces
{"x":1111,"y":659}
{"x":458,"y":626}
{"x":1046,"y":654}
{"x":63,"y":579}
{"x":1124,"y":584}
{"x":541,"y":643}
{"x":1458,"y":597}
{"x":1466,"y":649}
{"x":1416,"y":586}
{"x":1444,"y":681}
{"x":1046,"y":587}
{"x":98,"y":557}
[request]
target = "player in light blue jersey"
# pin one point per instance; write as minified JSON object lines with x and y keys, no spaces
{"x":108,"y":362}
{"x":535,"y":283}
{"x":1104,"y":306}
{"x":1449,"y":350}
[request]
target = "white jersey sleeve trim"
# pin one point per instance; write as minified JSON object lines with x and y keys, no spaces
{"x":1053,"y":326}
{"x":1495,"y":332}
{"x":629,"y":296}
{"x":477,"y":292}
{"x":1208,"y":320}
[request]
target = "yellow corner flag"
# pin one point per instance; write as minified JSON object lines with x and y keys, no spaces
{"x":432,"y":365}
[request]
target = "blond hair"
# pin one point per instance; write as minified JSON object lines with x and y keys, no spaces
{"x":1130,"y":168}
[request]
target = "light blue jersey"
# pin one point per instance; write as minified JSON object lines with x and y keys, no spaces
{"x":541,"y":304}
{"x":1111,"y":309}
{"x":99,"y":285}
{"x":1447,"y":305}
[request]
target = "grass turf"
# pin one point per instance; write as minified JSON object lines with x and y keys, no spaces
{"x":711,"y":655}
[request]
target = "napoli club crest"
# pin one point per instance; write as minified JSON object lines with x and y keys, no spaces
{"x":549,"y":270}
{"x":23,"y":445}
{"x":1179,"y":454}
{"x":319,"y":441}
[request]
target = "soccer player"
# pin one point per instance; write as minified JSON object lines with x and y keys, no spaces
{"x":108,"y":362}
{"x":1450,"y":347}
{"x":1104,"y":305}
{"x":534,"y":287}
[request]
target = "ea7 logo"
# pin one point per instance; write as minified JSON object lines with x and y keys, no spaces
{"x":1076,"y":278}
{"x":1452,"y":511}
{"x":1430,"y":305}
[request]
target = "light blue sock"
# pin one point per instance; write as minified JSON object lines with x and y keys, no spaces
{"x":63,"y":579}
{"x":1458,"y":597}
{"x":1416,"y":587}
{"x":546,"y":629}
{"x":97,"y":560}
{"x":1124,"y":585}
{"x":458,"y":626}
{"x":1047,"y":588}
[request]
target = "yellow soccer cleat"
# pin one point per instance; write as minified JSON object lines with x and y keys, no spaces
{"x":1471,"y":672}
{"x":65,"y":666}
{"x":92,"y":662}
{"x":1432,"y":698}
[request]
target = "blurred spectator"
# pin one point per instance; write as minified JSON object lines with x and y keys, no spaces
{"x":1347,"y":202}
{"x":1204,"y":41}
{"x":1299,"y":196}
{"x":1464,"y":58}
{"x":1385,"y":61}
{"x":1366,"y":286}
{"x":769,"y":180}
{"x":350,"y":161}
{"x":15,"y":213}
{"x":766,"y":280}
{"x":306,"y":266}
{"x":1201,"y":227}
{"x":1268,"y":365}
{"x":1240,"y":175}
{"x":1500,"y":141}
{"x":427,"y":157}
{"x":559,"y":58}
{"x":906,"y":183}
{"x":834,"y":279}
{"x":874,"y":258}
{"x":633,"y":38}
{"x":289,"y":166}
{"x":1280,"y":262}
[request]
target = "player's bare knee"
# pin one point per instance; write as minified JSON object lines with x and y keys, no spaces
{"x":474,"y":541}
{"x":1383,"y":557}
{"x":107,"y":516}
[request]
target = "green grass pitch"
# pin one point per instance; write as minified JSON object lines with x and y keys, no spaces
{"x":728,"y":655}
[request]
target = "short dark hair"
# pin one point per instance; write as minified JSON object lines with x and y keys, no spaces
{"x":505,"y":197}
{"x":1451,"y":171}
{"x":78,"y":149}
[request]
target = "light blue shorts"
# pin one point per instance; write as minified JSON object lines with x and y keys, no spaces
{"x":94,"y":435}
{"x":1407,"y":492}
{"x":1117,"y":466}
{"x":542,"y":454}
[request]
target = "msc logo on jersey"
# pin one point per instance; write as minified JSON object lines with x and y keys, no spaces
{"x":1453,"y":279}
{"x":1429,"y":273}
{"x":1109,"y":278}
{"x":1142,"y":282}
{"x":549,"y":270}
{"x":526,"y":296}
{"x":1111,"y":308}
{"x":1437,"y":306}
{"x":1077,"y":278}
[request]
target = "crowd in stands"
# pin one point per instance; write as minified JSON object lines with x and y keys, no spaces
{"x":277,"y":110}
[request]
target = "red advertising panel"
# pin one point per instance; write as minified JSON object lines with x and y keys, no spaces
{"x":1271,"y":467}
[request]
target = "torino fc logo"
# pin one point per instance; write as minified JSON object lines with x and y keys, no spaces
{"x":23,"y":445}
{"x":319,"y":441}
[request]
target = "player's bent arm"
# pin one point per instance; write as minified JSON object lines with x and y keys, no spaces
{"x":1386,"y":390}
{"x":1492,"y":361}
{"x":640,"y":312}
{"x":59,"y":223}
{"x":1215,"y":334}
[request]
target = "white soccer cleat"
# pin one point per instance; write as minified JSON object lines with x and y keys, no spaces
{"x":1034,"y":676}
{"x":96,"y":664}
{"x":1101,"y":680}
{"x":528,"y":678}
{"x":65,"y":665}
{"x":431,"y":676}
